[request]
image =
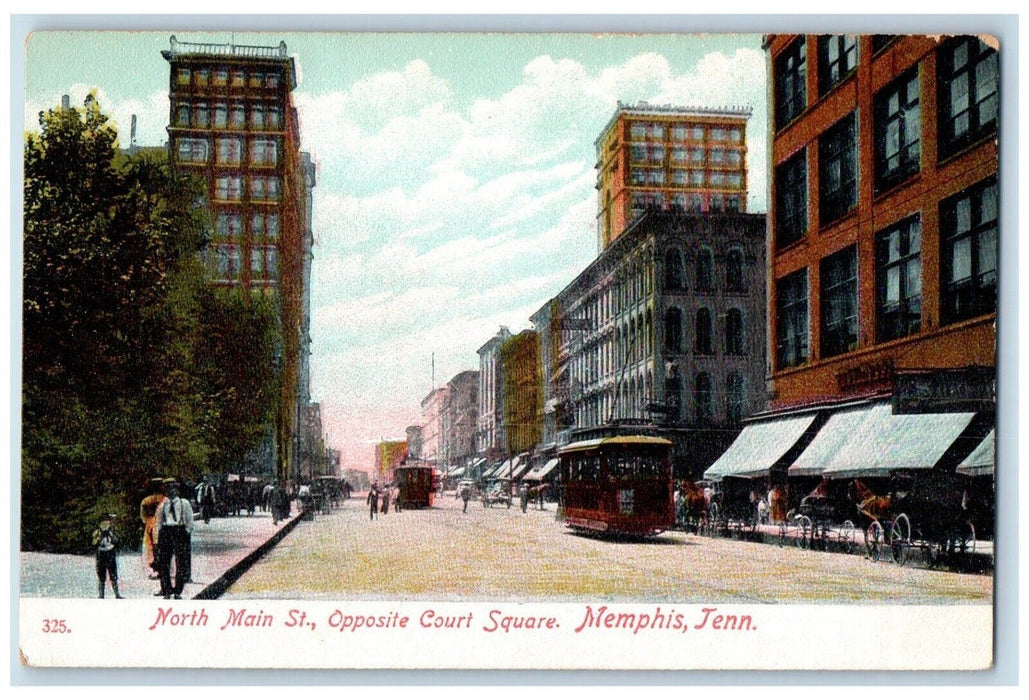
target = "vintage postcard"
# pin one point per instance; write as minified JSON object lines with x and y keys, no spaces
{"x":650,"y":351}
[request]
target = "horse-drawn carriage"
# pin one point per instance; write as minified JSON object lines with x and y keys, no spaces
{"x":732,"y":510}
{"x":927,"y":511}
{"x":823,"y":520}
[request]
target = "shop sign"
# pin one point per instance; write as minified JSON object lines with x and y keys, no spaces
{"x":946,"y":391}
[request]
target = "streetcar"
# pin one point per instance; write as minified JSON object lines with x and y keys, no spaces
{"x":415,"y":484}
{"x":618,"y":485}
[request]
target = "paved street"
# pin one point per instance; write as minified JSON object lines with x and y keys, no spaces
{"x":217,"y":546}
{"x":500,"y":554}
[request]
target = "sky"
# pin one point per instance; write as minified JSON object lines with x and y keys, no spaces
{"x":455,"y":180}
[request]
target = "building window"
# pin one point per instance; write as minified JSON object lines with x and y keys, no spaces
{"x":837,"y":169}
{"x":696,"y":202}
{"x":697,"y":156}
{"x":203,"y":76}
{"x":697,"y":133}
{"x":673,"y":330}
{"x":679,"y":177}
{"x":790,"y":83}
{"x":203,"y":116}
{"x":735,"y":397}
{"x":734,"y":332}
{"x":238,"y":78}
{"x":638,"y":154}
{"x":264,"y":152}
{"x":221,"y":77}
{"x":182,"y":114}
{"x":702,"y":397}
{"x":705,"y":269}
{"x":733,"y":203}
{"x":735,"y":181}
{"x":229,"y":224}
{"x":733,"y":158}
{"x":898,"y":285}
{"x":734,"y":270}
{"x":271,"y":80}
{"x":192,"y":150}
{"x":221,"y":116}
{"x":264,"y":188}
{"x":257,"y":262}
{"x":227,"y":261}
{"x":182,"y":76}
{"x":655,"y":131}
{"x":271,"y":263}
{"x":718,"y":134}
{"x":881,"y":41}
{"x":678,"y":133}
{"x":717,"y":202}
{"x":230,"y":151}
{"x":257,"y":116}
{"x":735,"y":135}
{"x":675,"y":274}
{"x":968,"y":227}
{"x":679,"y":155}
{"x":837,"y":58}
{"x":898,"y":131}
{"x":703,"y":329}
{"x":716,"y":178}
{"x":266,"y":225}
{"x":238,"y":116}
{"x":229,"y":188}
{"x":968,"y":93}
{"x":791,"y":200}
{"x":256,"y":80}
{"x":673,"y":396}
{"x":275,"y":118}
{"x":638,"y":131}
{"x":839,"y":303}
{"x":792,"y":319}
{"x":697,"y":178}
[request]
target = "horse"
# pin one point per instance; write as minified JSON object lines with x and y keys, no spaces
{"x":694,"y":505}
{"x":868,"y":503}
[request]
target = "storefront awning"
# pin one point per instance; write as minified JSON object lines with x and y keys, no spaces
{"x":455,"y":473}
{"x":830,"y":438}
{"x":542,"y":470}
{"x":983,"y":459}
{"x":759,"y":446}
{"x":885,"y":442}
{"x":521,"y":469}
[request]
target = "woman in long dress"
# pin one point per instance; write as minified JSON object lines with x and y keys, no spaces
{"x":148,"y":510}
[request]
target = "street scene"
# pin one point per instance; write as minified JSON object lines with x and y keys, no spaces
{"x":519,"y":317}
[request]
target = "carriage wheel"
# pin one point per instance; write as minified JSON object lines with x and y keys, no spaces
{"x":964,"y":546}
{"x":900,"y":539}
{"x":806,"y":533}
{"x":848,"y":537}
{"x":874,"y":540}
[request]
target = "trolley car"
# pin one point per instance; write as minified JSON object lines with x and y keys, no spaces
{"x":618,"y":485}
{"x":416,"y":486}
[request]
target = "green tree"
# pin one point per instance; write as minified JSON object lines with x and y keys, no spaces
{"x":111,"y":283}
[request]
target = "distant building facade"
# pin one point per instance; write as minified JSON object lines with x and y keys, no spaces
{"x":665,"y":327}
{"x":460,"y":418}
{"x":523,"y":394}
{"x":491,"y":439}
{"x":661,"y":156}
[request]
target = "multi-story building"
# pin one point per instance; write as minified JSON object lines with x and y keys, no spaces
{"x":432,"y":441}
{"x":660,"y":156}
{"x":665,"y":327}
{"x":232,"y":123}
{"x":460,"y":419}
{"x":389,"y":455}
{"x":414,"y":441}
{"x":523,"y":393}
{"x":882,"y":245}
{"x":491,"y":439}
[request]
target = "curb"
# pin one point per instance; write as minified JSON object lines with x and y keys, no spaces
{"x":214,"y":591}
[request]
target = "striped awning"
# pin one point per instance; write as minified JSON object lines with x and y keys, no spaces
{"x":886,"y":442}
{"x":542,"y":470}
{"x":983,"y":459}
{"x":830,"y":438}
{"x":759,"y":446}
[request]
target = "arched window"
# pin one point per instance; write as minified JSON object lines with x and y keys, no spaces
{"x":704,"y":332}
{"x":734,"y":270}
{"x":735,"y":397}
{"x":734,"y":332}
{"x":675,"y":274}
{"x":702,"y":397}
{"x":673,"y":397}
{"x":705,"y":269}
{"x":673,"y":330}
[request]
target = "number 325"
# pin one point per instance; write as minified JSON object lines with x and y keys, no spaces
{"x":55,"y":626}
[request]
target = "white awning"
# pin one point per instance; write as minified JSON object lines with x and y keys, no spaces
{"x":983,"y":459}
{"x":840,"y":427}
{"x":542,"y":470}
{"x":886,"y":442}
{"x":521,"y":469}
{"x":759,"y":446}
{"x":455,"y":473}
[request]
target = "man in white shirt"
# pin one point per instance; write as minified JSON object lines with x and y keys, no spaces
{"x":173,"y":529}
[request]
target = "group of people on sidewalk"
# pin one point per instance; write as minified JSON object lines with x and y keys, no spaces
{"x":379,"y":498}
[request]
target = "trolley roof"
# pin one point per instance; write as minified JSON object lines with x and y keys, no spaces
{"x":587,"y":445}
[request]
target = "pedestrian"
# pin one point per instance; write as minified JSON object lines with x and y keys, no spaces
{"x":266,"y":498}
{"x":373,"y":501}
{"x":106,"y":541}
{"x":541,"y":491}
{"x":384,"y":496}
{"x":148,"y":509}
{"x":523,"y":496}
{"x":206,"y":499}
{"x":396,"y":499}
{"x":466,"y":494}
{"x":174,"y":527}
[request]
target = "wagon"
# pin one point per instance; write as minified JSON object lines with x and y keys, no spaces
{"x":928,"y":512}
{"x":822,"y":521}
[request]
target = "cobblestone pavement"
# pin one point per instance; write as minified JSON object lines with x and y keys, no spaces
{"x":217,"y":546}
{"x":503,"y":554}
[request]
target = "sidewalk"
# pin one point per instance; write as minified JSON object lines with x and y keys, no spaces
{"x":220,"y":547}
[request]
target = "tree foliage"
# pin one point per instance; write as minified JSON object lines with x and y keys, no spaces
{"x":120,"y":381}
